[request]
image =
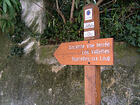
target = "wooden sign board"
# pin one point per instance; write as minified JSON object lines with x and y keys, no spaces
{"x":91,"y":22}
{"x":93,"y":52}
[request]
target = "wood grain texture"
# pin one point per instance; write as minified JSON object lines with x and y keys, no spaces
{"x":92,"y":85}
{"x":93,"y":52}
{"x":92,"y":73}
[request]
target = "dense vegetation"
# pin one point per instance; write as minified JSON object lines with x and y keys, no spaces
{"x":119,"y":19}
{"x":8,"y":11}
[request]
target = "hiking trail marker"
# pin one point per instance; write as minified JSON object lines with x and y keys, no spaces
{"x":92,"y":52}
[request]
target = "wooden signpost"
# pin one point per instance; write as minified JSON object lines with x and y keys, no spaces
{"x":92,"y":53}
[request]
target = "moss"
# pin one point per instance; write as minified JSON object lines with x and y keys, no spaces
{"x":136,"y":83}
{"x":44,"y":77}
{"x":23,"y":77}
{"x":137,"y":68}
{"x":47,"y":51}
{"x":123,"y":49}
{"x":70,"y":73}
{"x":119,"y":49}
{"x":106,"y":77}
{"x":136,"y":102}
{"x":4,"y":51}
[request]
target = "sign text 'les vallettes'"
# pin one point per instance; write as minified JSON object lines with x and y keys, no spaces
{"x":93,"y":52}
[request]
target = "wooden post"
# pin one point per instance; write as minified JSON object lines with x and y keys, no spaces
{"x":92,"y":73}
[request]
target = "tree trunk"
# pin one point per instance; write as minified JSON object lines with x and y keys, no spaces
{"x":99,"y":2}
{"x":72,"y":11}
{"x":60,"y":12}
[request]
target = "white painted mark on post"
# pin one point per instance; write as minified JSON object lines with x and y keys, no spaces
{"x":88,"y":25}
{"x":89,"y":33}
{"x":88,"y":14}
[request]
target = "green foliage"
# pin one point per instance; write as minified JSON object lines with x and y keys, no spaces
{"x":132,"y":28}
{"x":136,"y":102}
{"x":61,"y":33}
{"x":56,"y":31}
{"x":11,"y":25}
{"x":20,"y":31}
{"x":121,"y":21}
{"x":8,"y":11}
{"x":16,"y":51}
{"x":6,"y":24}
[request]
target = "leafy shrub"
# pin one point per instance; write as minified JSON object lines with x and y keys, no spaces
{"x":121,"y":21}
{"x":16,"y":51}
{"x":132,"y":27}
{"x":62,"y":33}
{"x":8,"y":11}
{"x":20,"y":33}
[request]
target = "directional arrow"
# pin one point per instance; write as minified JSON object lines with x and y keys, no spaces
{"x":93,"y":52}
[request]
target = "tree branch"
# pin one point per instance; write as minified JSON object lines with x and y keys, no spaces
{"x":108,"y":5}
{"x":113,"y":1}
{"x":107,"y":10}
{"x":60,"y":12}
{"x":99,"y":2}
{"x":43,"y":8}
{"x":72,"y":11}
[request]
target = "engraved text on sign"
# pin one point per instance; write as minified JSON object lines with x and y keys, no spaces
{"x":93,"y":52}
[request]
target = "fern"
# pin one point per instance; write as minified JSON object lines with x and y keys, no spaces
{"x":8,"y":11}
